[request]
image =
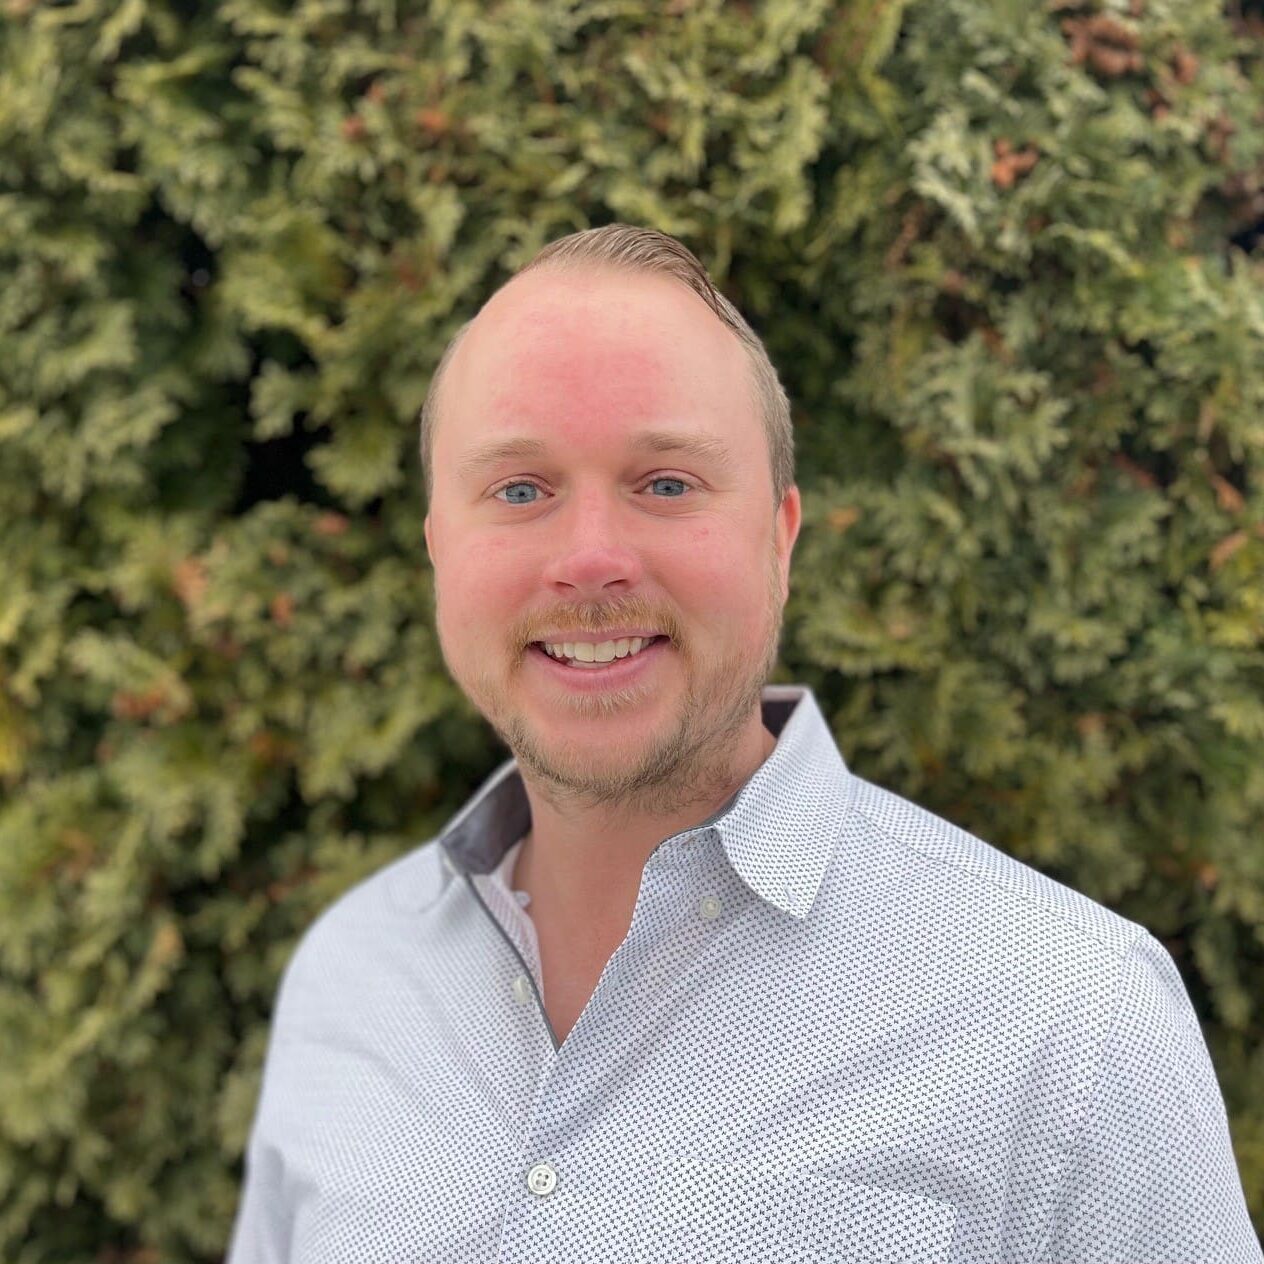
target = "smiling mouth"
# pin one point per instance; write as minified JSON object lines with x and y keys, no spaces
{"x":581,"y":664}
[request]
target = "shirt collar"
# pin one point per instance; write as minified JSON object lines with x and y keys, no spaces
{"x":778,"y":831}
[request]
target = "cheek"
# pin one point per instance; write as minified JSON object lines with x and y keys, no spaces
{"x":720,"y":574}
{"x":481,"y":587}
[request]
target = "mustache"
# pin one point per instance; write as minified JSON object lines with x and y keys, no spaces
{"x":595,"y":619}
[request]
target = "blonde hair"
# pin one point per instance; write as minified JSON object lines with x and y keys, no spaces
{"x":647,"y":250}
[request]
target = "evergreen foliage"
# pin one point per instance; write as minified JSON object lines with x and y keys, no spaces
{"x":1003,"y":253}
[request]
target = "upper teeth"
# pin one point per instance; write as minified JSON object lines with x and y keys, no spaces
{"x":601,"y":652}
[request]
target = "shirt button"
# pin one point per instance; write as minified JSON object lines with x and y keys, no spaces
{"x":542,"y":1179}
{"x":709,"y":907}
{"x":522,"y":989}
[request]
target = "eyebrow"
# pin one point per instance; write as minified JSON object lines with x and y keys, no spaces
{"x":691,"y":443}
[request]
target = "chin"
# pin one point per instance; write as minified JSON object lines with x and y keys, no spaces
{"x":581,"y":745}
{"x":589,"y":738}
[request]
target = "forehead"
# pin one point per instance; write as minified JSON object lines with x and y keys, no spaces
{"x":587,"y":355}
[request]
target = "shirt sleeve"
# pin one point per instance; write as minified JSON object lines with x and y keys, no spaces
{"x":1151,"y":1177}
{"x":260,"y":1231}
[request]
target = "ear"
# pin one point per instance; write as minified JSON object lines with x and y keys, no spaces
{"x":430,"y":553}
{"x":786,"y":531}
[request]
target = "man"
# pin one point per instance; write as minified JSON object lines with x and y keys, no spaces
{"x":676,"y":985}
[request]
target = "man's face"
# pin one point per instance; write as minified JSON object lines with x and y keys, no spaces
{"x":597,"y":532}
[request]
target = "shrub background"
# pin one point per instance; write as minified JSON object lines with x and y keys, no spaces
{"x":1005,"y":257}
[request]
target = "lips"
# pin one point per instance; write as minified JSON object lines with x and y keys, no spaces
{"x":592,"y":664}
{"x":620,"y":671}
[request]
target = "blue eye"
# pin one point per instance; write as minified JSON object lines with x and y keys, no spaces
{"x":668,"y":478}
{"x":518,"y":500}
{"x":515,"y":493}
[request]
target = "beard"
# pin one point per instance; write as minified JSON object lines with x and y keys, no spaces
{"x":690,"y":761}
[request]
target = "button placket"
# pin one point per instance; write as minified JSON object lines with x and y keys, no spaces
{"x":709,"y":906}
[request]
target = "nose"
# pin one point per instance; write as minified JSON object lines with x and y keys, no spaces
{"x":591,"y":555}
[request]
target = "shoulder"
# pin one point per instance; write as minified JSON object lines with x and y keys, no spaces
{"x":364,"y":935}
{"x":981,"y":933}
{"x":983,"y":890}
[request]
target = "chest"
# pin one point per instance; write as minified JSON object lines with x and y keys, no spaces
{"x":732,"y":1087}
{"x":571,"y":966}
{"x":701,"y":1111}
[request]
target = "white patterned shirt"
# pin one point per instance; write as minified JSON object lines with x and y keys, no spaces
{"x":838,"y":1028}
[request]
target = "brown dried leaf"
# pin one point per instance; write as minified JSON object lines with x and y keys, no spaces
{"x":129,"y":705}
{"x":1227,"y":496}
{"x":1009,"y":166}
{"x":1226,"y":549}
{"x":277,"y":891}
{"x":82,"y":851}
{"x":1109,"y":30}
{"x":1142,"y":478}
{"x":1084,"y":483}
{"x":271,"y":748}
{"x":995,"y":342}
{"x":1206,"y":420}
{"x":331,"y":523}
{"x":910,"y":226}
{"x":1103,"y":378}
{"x":227,"y":647}
{"x":168,"y":944}
{"x":433,"y":120}
{"x":188,"y":578}
{"x":1219,"y":130}
{"x":282,"y":608}
{"x":1114,"y":62}
{"x":1106,"y":43}
{"x":1184,"y":65}
{"x":842,"y":518}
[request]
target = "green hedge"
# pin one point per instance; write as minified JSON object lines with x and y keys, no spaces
{"x":1003,"y":256}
